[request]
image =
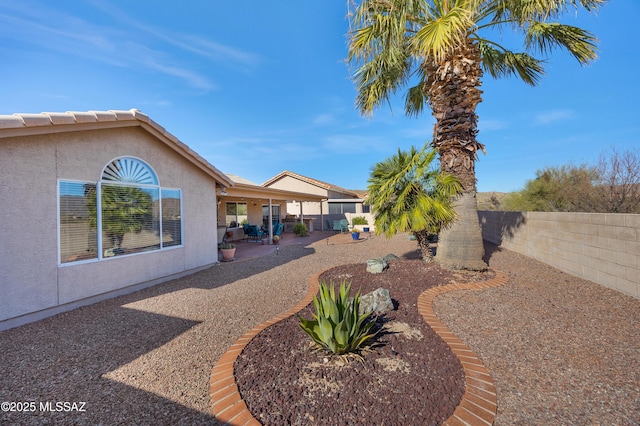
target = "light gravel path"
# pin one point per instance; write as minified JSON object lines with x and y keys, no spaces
{"x":146,"y":358}
{"x":561,"y":350}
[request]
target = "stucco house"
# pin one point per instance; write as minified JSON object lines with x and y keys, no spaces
{"x":338,"y":203}
{"x":96,"y":204}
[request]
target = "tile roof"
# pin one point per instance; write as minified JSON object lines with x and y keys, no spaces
{"x":51,"y":122}
{"x":312,"y":181}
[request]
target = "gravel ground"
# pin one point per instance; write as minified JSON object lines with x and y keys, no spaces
{"x":561,"y":350}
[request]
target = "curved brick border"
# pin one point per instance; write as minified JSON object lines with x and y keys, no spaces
{"x":479,"y":402}
{"x":228,"y":406}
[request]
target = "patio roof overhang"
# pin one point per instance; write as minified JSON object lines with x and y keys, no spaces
{"x":254,"y":192}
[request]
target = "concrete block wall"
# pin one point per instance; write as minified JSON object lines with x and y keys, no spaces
{"x":600,"y":247}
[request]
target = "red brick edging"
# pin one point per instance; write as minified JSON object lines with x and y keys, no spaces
{"x":479,"y":402}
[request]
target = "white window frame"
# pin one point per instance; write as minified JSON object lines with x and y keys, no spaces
{"x":101,"y":255}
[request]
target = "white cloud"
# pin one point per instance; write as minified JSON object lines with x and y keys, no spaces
{"x":323,"y":119}
{"x":128,"y":43}
{"x":552,"y":116}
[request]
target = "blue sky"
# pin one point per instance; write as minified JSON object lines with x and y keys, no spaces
{"x":261,"y":87}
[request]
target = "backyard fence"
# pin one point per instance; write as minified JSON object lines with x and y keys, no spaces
{"x":600,"y":247}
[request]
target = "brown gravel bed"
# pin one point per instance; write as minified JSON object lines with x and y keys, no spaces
{"x":561,"y":350}
{"x":410,"y":375}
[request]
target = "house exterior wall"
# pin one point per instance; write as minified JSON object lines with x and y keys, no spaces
{"x":600,"y":247}
{"x":319,"y":212}
{"x":289,"y":183}
{"x":30,"y":167}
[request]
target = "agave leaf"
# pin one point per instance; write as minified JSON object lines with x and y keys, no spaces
{"x":341,"y":334}
{"x":325,"y":329}
{"x":317,"y":306}
{"x":331,"y":345}
{"x":349,"y":321}
{"x":310,"y":327}
{"x":332,"y":291}
{"x":345,"y":289}
{"x":360,"y":341}
{"x":331,"y":311}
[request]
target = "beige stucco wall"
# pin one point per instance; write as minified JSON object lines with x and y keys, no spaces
{"x":30,"y":167}
{"x":289,"y":183}
{"x":600,"y":247}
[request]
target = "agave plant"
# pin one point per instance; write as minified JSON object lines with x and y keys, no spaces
{"x":337,"y":326}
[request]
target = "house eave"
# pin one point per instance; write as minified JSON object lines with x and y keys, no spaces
{"x":18,"y":125}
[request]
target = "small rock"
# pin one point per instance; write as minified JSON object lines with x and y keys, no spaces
{"x":378,"y":302}
{"x":376,"y":266}
{"x":388,"y":258}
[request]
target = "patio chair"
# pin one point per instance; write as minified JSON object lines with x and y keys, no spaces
{"x":344,"y":226}
{"x":252,"y":232}
{"x":277,"y":230}
{"x":337,"y":227}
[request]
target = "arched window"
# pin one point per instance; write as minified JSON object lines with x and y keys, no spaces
{"x":130,"y":170}
{"x":125,"y":212}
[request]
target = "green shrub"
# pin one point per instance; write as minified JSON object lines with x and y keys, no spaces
{"x":359,"y":220}
{"x":337,"y":327}
{"x":300,"y":229}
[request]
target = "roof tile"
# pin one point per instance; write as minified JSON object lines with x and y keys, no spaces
{"x":11,"y":121}
{"x":60,"y":117}
{"x":84,"y":117}
{"x":105,"y":115}
{"x":124,"y":115}
{"x":36,"y":120}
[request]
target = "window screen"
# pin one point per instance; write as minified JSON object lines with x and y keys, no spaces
{"x":77,"y":221}
{"x":341,"y":208}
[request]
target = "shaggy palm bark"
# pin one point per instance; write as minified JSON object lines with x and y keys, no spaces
{"x":454,"y":93}
{"x":424,"y":242}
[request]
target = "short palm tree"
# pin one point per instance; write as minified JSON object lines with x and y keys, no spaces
{"x":439,"y":49}
{"x":408,"y":194}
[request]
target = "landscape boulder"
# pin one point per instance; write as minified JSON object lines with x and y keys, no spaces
{"x":388,"y":258}
{"x":378,"y":302}
{"x":377,"y":265}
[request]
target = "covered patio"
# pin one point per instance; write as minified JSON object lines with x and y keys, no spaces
{"x":246,"y":250}
{"x":248,"y":203}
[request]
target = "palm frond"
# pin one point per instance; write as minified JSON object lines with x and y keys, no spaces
{"x":409,"y":194}
{"x":443,"y":30}
{"x":547,"y":36}
{"x":506,"y":63}
{"x":542,"y":10}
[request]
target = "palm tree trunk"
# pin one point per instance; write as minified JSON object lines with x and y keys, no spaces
{"x":454,"y":93}
{"x":425,"y":245}
{"x":460,"y":246}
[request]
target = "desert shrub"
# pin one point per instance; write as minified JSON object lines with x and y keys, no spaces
{"x":337,"y":326}
{"x":359,"y":220}
{"x":300,"y":229}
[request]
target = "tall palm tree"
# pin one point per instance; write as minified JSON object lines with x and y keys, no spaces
{"x":409,"y":195}
{"x":438,"y":50}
